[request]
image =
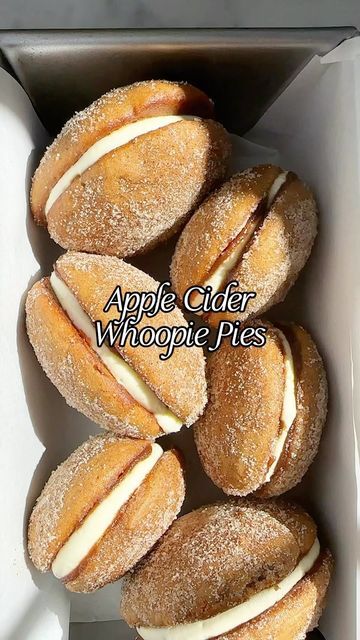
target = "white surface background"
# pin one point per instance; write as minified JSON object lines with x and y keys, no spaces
{"x":27,"y":14}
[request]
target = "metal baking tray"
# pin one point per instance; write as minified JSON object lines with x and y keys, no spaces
{"x":243,"y":70}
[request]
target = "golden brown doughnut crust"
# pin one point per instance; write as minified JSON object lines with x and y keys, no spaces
{"x":78,"y":372}
{"x":303,"y":439}
{"x":238,"y":430}
{"x":140,"y":193}
{"x":216,"y":223}
{"x":236,"y":433}
{"x":112,"y":110}
{"x":73,"y":489}
{"x":216,"y":558}
{"x":296,"y":614}
{"x":274,"y":256}
{"x":179,"y":381}
{"x":139,"y":525}
{"x":80,"y":483}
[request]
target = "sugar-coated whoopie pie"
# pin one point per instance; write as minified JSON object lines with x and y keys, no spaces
{"x":103,"y":509}
{"x":267,"y":406}
{"x":231,"y":571}
{"x":129,"y":390}
{"x":257,"y":229}
{"x":126,"y":172}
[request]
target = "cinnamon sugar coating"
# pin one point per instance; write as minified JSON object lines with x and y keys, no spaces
{"x":237,"y":434}
{"x":214,"y":559}
{"x":78,"y":372}
{"x":276,"y":252}
{"x":139,"y":525}
{"x":296,"y":614}
{"x":73,"y":489}
{"x":179,"y":381}
{"x":80,"y":483}
{"x":302,"y":443}
{"x":140,"y":193}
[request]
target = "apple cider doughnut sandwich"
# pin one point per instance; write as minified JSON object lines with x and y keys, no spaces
{"x":267,"y":406}
{"x":231,"y":571}
{"x":257,"y":229}
{"x":103,"y":509}
{"x":127,"y":171}
{"x":130,"y":389}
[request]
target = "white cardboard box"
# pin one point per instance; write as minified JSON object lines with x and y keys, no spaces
{"x":313,"y":128}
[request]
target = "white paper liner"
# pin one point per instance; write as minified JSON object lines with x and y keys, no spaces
{"x":32,"y":606}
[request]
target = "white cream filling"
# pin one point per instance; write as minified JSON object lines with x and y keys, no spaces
{"x":218,"y":278}
{"x":276,"y":186}
{"x":108,"y":143}
{"x":233,"y":618}
{"x":288,"y":413}
{"x":97,"y":522}
{"x":122,"y":372}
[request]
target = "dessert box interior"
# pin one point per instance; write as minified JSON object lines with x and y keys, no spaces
{"x":294,"y":98}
